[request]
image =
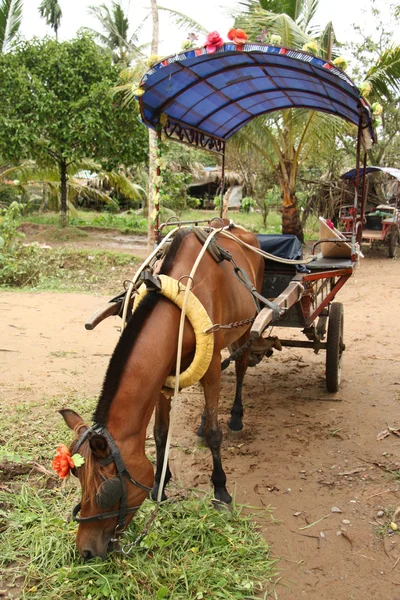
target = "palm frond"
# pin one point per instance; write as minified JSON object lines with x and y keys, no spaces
{"x":306,"y":14}
{"x":10,"y":22}
{"x":185,"y":22}
{"x":385,"y":74}
{"x":280,"y":24}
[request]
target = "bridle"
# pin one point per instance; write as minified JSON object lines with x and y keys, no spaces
{"x":117,"y":485}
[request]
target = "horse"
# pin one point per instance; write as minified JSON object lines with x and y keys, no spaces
{"x":116,"y":476}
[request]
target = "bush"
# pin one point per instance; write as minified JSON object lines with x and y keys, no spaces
{"x":247,"y":203}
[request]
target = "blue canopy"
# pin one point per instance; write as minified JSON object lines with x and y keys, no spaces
{"x":203,"y":99}
{"x":389,"y":170}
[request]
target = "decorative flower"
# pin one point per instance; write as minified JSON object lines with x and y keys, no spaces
{"x":152,"y":60}
{"x":365,"y":89}
{"x":189,"y":42}
{"x":138,"y":92}
{"x":163,"y":120}
{"x":62,"y":462}
{"x":376,"y":109}
{"x":263,"y":35}
{"x":377,"y":122}
{"x":276,"y":40}
{"x":237,"y":36}
{"x":213,"y":41}
{"x":340,"y":62}
{"x":311,"y":47}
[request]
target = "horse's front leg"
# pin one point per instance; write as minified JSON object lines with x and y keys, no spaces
{"x":211,"y":383}
{"x":161,"y":426}
{"x":235,"y":423}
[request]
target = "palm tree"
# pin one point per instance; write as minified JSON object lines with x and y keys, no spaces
{"x":115,"y":33}
{"x":286,"y":141}
{"x":10,"y":21}
{"x":51,"y":11}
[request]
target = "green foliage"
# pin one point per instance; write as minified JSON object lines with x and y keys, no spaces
{"x":66,"y":109}
{"x":65,"y":269}
{"x":9,"y":220}
{"x":247,"y":203}
{"x":173,"y":194}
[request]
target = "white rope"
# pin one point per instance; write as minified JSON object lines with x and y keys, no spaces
{"x":287,"y":261}
{"x":178,"y":360}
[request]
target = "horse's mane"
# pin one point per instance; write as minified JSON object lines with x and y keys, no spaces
{"x":130,"y":334}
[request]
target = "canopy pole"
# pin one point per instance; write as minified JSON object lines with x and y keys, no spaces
{"x":355,"y":205}
{"x":221,"y":203}
{"x":157,"y":190}
{"x":364,"y":191}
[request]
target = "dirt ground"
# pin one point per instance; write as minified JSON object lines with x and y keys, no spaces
{"x":303,"y":451}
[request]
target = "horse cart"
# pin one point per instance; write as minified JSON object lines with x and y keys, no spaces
{"x":231,"y":286}
{"x":201,"y":100}
{"x":381,"y":224}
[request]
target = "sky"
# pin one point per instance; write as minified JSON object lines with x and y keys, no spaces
{"x":212,"y":14}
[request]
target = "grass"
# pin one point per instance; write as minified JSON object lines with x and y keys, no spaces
{"x":127,"y":222}
{"x":130,"y":222}
{"x":191,"y":552}
{"x":67,"y":270}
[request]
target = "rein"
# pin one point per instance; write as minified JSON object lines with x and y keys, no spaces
{"x":123,"y":476}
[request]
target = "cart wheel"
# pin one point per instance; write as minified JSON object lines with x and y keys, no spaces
{"x":334,"y":347}
{"x":393,"y":243}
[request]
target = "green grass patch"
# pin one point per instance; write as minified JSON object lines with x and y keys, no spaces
{"x":127,"y":222}
{"x":191,"y":551}
{"x":66,"y":269}
{"x":131,"y":222}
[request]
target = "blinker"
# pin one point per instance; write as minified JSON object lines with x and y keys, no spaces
{"x":109,"y":493}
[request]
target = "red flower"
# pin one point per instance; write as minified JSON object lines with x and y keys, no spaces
{"x":237,"y":36}
{"x":213,"y":41}
{"x":330,"y":224}
{"x":62,"y":462}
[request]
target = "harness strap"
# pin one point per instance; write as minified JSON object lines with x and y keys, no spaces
{"x":217,"y":252}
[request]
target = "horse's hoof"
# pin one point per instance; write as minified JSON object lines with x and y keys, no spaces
{"x":222,"y":506}
{"x":235,"y":435}
{"x":154,"y":496}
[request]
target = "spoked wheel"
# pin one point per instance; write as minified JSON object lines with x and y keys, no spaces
{"x":334,"y":347}
{"x":393,"y":243}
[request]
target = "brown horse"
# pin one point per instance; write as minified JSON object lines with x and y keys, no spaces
{"x":117,"y":475}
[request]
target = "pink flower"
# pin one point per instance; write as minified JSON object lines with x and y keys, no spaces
{"x":213,"y":41}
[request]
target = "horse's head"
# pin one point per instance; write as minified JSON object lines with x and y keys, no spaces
{"x":110,"y":495}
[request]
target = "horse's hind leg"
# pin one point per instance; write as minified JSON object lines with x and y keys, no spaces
{"x":212,"y":431}
{"x":161,"y":425}
{"x":235,"y":423}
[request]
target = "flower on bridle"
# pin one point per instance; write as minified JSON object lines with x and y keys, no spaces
{"x":213,"y":41}
{"x":63,"y":462}
{"x":237,"y":36}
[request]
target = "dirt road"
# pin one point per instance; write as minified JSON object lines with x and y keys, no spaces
{"x":303,"y":451}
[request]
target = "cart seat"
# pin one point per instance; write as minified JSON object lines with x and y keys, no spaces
{"x":322,"y":263}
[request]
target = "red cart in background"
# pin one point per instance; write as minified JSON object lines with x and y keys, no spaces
{"x":381,"y":224}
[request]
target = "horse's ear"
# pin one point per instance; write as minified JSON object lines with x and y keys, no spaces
{"x":72,"y":418}
{"x":99,"y":445}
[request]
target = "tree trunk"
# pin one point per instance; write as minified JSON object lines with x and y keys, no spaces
{"x":63,"y":180}
{"x":152,"y":140}
{"x":290,"y":214}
